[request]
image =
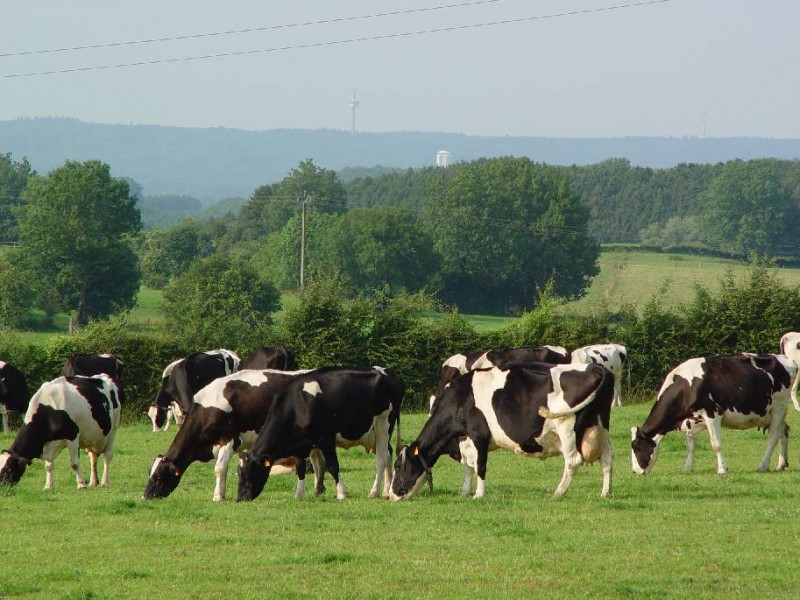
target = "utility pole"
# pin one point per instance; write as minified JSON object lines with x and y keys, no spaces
{"x":353,"y":104}
{"x":303,"y":241}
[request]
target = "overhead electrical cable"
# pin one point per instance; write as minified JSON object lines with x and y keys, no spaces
{"x":195,"y":36}
{"x":355,"y":40}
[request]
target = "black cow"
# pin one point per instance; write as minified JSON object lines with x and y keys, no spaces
{"x":14,"y":394}
{"x":73,"y":412}
{"x":273,"y":357}
{"x":93,"y":364}
{"x":737,"y":391}
{"x":183,"y":378}
{"x":224,"y":418}
{"x":323,"y":409}
{"x":537,"y":410}
{"x":458,"y":364}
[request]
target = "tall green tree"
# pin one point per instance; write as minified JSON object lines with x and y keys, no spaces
{"x":504,"y":228}
{"x":167,"y":253}
{"x":14,"y":177}
{"x":271,"y":206}
{"x":749,"y":207}
{"x":220,"y":301}
{"x":76,"y":227}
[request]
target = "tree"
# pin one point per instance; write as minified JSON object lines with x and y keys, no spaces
{"x":167,"y":253}
{"x":505,"y":227}
{"x":271,"y":206}
{"x":373,"y":247}
{"x":76,"y":228}
{"x":13,"y":178}
{"x":748,"y":208}
{"x":220,"y":301}
{"x":16,"y":293}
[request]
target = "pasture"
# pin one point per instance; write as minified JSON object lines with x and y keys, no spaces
{"x":666,"y":535}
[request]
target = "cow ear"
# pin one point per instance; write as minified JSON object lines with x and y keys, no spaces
{"x":177,"y":473}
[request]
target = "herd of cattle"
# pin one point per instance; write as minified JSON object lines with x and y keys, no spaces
{"x":537,"y":401}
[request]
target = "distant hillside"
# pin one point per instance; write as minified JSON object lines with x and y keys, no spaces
{"x":215,"y":163}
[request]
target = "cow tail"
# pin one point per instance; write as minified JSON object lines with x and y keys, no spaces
{"x":399,"y":437}
{"x":548,"y":414}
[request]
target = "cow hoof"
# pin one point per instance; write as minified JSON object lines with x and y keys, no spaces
{"x":217,"y":499}
{"x":340,"y":497}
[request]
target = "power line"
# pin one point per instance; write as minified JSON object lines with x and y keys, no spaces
{"x":195,"y":36}
{"x":356,"y":40}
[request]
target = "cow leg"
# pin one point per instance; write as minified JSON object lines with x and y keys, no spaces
{"x":714,"y":426}
{"x":617,"y":390}
{"x":332,"y":464}
{"x":607,"y":464}
{"x":692,"y":433}
{"x":469,"y":458}
{"x":4,"y":416}
{"x":224,"y":454}
{"x":382,"y":458}
{"x":783,"y":457}
{"x":75,"y":462}
{"x":49,"y":453}
{"x":92,"y":468}
{"x":300,"y":469}
{"x":481,"y":458}
{"x":572,"y":458}
{"x":318,"y":462}
{"x":108,"y":454}
{"x":776,"y":428}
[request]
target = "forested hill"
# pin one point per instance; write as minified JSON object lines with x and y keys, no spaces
{"x":216,"y":162}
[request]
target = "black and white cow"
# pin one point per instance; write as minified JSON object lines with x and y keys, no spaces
{"x":612,"y":356}
{"x":537,"y":410}
{"x":273,"y":357}
{"x":68,"y":412}
{"x":183,"y":378}
{"x":458,"y":364}
{"x":790,"y":347}
{"x":737,"y":392}
{"x":224,"y":418}
{"x":14,"y":394}
{"x":93,"y":364}
{"x":323,"y":409}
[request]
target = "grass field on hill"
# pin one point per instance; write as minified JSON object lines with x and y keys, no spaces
{"x":634,"y":277}
{"x":666,"y":535}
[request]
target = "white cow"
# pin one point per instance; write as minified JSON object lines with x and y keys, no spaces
{"x":612,"y":356}
{"x":69,"y":412}
{"x":790,"y":348}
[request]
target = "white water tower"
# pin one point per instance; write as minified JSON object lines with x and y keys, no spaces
{"x":443,"y":158}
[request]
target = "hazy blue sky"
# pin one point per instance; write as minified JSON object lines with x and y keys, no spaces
{"x":649,"y":70}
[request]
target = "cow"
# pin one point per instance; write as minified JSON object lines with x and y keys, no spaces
{"x":612,"y":356}
{"x":73,"y":412}
{"x":735,"y":391}
{"x":458,"y":364}
{"x":273,"y":357}
{"x":14,"y":394}
{"x":93,"y":364}
{"x":224,"y":418}
{"x":790,"y":347}
{"x":183,"y":378}
{"x":537,"y":410}
{"x":323,"y":409}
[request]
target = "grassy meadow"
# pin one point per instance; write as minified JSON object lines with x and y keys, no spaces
{"x":666,"y":535}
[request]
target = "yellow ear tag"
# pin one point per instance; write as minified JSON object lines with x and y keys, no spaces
{"x":267,"y":463}
{"x":416,"y":450}
{"x":177,"y":473}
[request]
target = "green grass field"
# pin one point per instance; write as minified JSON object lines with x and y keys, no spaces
{"x":633,"y":277}
{"x":666,"y":535}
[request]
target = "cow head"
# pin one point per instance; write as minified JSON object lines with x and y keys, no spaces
{"x":644,"y":451}
{"x":12,"y":466}
{"x":253,"y":474}
{"x":411,"y":471}
{"x":164,"y":478}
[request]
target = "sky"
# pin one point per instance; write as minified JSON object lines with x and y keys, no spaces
{"x":672,"y":68}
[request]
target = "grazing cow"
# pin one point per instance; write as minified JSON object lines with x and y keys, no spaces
{"x":537,"y":410}
{"x":73,"y":412}
{"x":93,"y":364}
{"x":274,"y":357}
{"x":225,"y":417}
{"x":790,"y":347}
{"x":458,"y":364}
{"x":14,"y":393}
{"x":183,"y":378}
{"x":323,"y":409}
{"x":612,"y":356}
{"x":738,"y":392}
